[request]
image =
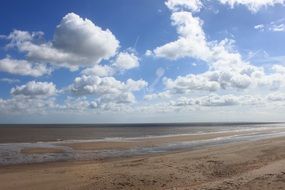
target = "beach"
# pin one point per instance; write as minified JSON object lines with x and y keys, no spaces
{"x":142,"y":95}
{"x":256,"y":164}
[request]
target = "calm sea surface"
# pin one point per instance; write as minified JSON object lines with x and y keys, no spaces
{"x":55,"y":132}
{"x":15,"y":138}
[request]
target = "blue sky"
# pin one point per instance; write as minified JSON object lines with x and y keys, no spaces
{"x":142,"y":61}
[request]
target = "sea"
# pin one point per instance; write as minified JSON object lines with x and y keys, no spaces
{"x":15,"y":137}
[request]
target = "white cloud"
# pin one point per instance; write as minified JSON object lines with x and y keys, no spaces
{"x":196,"y":5}
{"x":190,"y":82}
{"x":83,"y":38}
{"x":76,"y":42}
{"x":191,"y":41}
{"x":259,"y":27}
{"x":79,"y":42}
{"x":215,"y":100}
{"x":17,"y":37}
{"x":176,"y":5}
{"x":277,"y":28}
{"x":88,"y":84}
{"x":279,"y":69}
{"x":99,"y":70}
{"x":106,"y":91}
{"x":10,"y":80}
{"x":30,"y":98}
{"x":276,"y":97}
{"x":148,"y":53}
{"x":160,"y":95}
{"x":25,"y":105}
{"x":126,"y":61}
{"x":135,"y":85}
{"x":227,"y":69}
{"x":241,"y":77}
{"x":33,"y":89}
{"x":253,"y":5}
{"x":211,"y":100}
{"x":224,"y":100}
{"x":79,"y":104}
{"x":123,"y":61}
{"x":274,"y":26}
{"x":23,"y":67}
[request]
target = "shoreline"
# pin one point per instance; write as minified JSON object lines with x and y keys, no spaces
{"x":224,"y":166}
{"x":22,"y":153}
{"x":150,"y":155}
{"x":57,"y":133}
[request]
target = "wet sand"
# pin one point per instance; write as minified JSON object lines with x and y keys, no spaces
{"x":243,"y":165}
{"x":145,"y":142}
{"x":41,"y":150}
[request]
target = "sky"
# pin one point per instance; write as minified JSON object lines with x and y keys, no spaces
{"x":142,"y":61}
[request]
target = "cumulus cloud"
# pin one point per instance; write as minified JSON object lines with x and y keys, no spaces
{"x":241,"y":77}
{"x":160,"y":95}
{"x":176,"y":5}
{"x":123,"y":61}
{"x":88,"y":84}
{"x":191,"y":41}
{"x":126,"y":61}
{"x":18,"y":37}
{"x":190,"y":82}
{"x":26,"y":105}
{"x":107,"y":92}
{"x":253,"y":5}
{"x":78,"y":104}
{"x":83,"y":38}
{"x":76,"y":42}
{"x":99,"y":70}
{"x":208,"y":81}
{"x":33,"y":88}
{"x":83,"y":105}
{"x":220,"y":77}
{"x":23,"y":67}
{"x":279,"y":69}
{"x":227,"y":69}
{"x":30,"y":98}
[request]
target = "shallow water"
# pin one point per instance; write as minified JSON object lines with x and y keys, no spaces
{"x":10,"y":153}
{"x":49,"y":132}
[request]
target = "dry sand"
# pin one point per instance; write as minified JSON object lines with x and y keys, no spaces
{"x":246,"y":165}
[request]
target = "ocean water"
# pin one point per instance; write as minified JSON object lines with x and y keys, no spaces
{"x":55,"y":132}
{"x":14,"y":138}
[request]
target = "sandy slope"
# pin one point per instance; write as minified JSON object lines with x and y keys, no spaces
{"x":255,"y":165}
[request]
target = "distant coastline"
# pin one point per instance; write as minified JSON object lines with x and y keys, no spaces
{"x":191,"y":124}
